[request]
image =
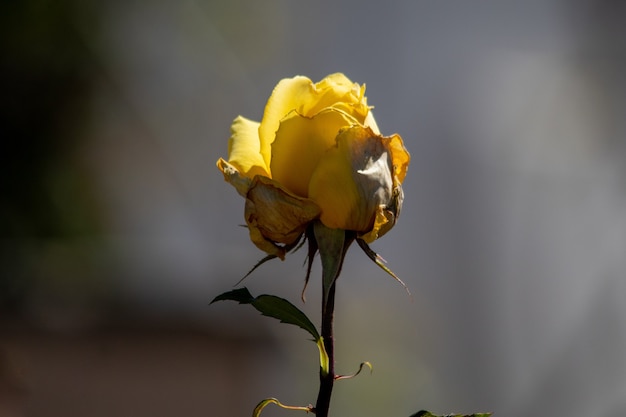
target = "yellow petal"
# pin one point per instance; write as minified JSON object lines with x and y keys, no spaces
{"x":274,"y":216}
{"x":300,"y":95}
{"x":234,"y":178}
{"x":337,"y":81}
{"x":244,"y":148}
{"x":371,"y":122}
{"x":299,"y":145}
{"x":400,"y":157}
{"x":333,"y":189}
{"x":287,"y":96}
{"x":336,"y":90}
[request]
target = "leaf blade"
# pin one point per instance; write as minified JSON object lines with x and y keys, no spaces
{"x":283,"y":310}
{"x":241,"y":295}
{"x":271,"y":306}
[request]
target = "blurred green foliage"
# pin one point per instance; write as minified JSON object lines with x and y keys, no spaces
{"x":46,"y":73}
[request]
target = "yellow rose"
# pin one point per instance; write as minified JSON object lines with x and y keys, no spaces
{"x":316,"y":154}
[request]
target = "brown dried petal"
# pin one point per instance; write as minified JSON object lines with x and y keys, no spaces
{"x":276,"y":216}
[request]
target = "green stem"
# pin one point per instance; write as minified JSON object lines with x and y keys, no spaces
{"x":333,"y":245}
{"x":327,"y":380}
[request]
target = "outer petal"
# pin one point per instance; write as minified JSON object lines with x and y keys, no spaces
{"x":300,"y":144}
{"x":234,"y":177}
{"x":275,"y":216}
{"x":286,"y":97}
{"x":244,"y":148}
{"x":371,"y":122}
{"x":386,"y":216}
{"x":400,"y":157}
{"x":353,"y":181}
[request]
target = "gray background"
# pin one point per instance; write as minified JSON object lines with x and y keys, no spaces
{"x":118,"y":228}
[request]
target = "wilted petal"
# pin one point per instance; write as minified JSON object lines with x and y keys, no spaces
{"x":400,"y":157}
{"x":353,"y":180}
{"x":299,"y":145}
{"x":244,"y":148}
{"x":275,"y":216}
{"x":386,"y":216}
{"x":234,"y":177}
{"x":264,"y":244}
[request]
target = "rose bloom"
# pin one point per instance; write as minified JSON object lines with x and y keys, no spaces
{"x":316,"y":154}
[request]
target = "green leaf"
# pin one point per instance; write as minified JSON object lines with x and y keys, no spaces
{"x":283,"y":310}
{"x":272,"y":306}
{"x":424,"y":413}
{"x":241,"y":295}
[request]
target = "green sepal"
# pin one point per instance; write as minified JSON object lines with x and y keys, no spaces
{"x":258,"y":264}
{"x":332,"y":245}
{"x":311,"y":252}
{"x":293,"y":247}
{"x":378,"y":260}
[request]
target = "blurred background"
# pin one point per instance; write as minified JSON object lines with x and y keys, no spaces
{"x":117,"y":229}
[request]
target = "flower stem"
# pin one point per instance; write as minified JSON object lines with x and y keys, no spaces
{"x":327,"y":379}
{"x":332,"y":245}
